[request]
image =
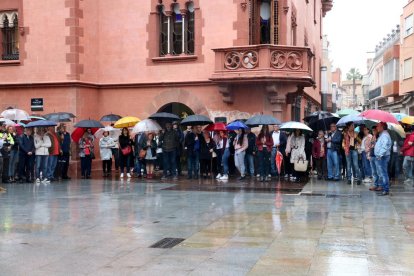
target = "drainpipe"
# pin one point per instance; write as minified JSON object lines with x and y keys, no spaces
{"x":324,"y":88}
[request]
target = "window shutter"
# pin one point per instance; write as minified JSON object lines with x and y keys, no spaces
{"x":253,"y":22}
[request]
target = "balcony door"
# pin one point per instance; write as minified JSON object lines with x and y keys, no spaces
{"x":264,"y":22}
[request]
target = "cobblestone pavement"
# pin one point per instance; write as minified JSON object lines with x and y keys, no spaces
{"x":106,"y":227}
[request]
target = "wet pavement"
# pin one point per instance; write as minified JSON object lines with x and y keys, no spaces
{"x":106,"y":227}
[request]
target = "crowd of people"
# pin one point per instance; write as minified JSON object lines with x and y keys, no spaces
{"x":369,"y":155}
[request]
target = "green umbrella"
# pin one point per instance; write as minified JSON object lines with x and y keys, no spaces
{"x":345,"y":112}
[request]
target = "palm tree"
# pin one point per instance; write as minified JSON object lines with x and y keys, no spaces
{"x":353,"y":75}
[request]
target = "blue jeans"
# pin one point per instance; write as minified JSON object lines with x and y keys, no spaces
{"x":264,"y":163}
{"x":51,"y":165}
{"x":140,"y":165}
{"x":249,"y":160}
{"x":374,"y":171}
{"x":41,"y":165}
{"x":333,"y":164}
{"x":169,"y":160}
{"x":14,"y":159}
{"x":366,"y":165}
{"x":352,"y":165}
{"x":193,"y":163}
{"x":382,"y":169}
{"x":408,"y":166}
{"x":225,"y":161}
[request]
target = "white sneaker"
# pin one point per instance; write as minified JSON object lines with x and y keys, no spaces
{"x":367,"y":180}
{"x":45,"y":181}
{"x":128,"y":175}
{"x":224,"y":177}
{"x":286,"y":176}
{"x":122,"y":175}
{"x":218,"y":176}
{"x":37,"y":180}
{"x":258,"y":175}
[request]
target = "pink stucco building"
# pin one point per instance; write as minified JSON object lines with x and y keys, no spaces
{"x":228,"y":58}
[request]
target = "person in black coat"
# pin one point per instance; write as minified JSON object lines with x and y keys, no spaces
{"x":192,"y":146}
{"x":207,"y":146}
{"x":125,"y":152}
{"x":26,"y":156}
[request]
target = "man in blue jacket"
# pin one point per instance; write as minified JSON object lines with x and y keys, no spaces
{"x":382,"y":152}
{"x":26,"y":156}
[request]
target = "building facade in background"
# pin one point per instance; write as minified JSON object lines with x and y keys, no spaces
{"x":381,"y":84}
{"x":220,"y":58}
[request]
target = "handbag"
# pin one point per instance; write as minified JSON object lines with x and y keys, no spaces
{"x":142,"y":153}
{"x":127,"y":150}
{"x":301,"y":165}
{"x":92,"y":154}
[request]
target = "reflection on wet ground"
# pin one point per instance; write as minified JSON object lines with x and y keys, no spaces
{"x":105,"y":227}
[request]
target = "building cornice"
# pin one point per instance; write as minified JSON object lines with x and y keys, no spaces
{"x":80,"y":84}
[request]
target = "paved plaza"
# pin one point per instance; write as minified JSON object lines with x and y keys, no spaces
{"x":106,"y":227}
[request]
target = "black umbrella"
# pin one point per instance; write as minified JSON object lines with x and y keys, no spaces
{"x":59,"y":116}
{"x":321,"y":120}
{"x":41,"y":123}
{"x":262,"y":120}
{"x":89,"y":124}
{"x":164,"y":116}
{"x":196,"y":120}
{"x":110,"y":118}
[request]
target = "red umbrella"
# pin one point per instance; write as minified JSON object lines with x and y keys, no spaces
{"x":379,"y":115}
{"x":279,"y":161}
{"x":216,"y":127}
{"x":78,"y":133}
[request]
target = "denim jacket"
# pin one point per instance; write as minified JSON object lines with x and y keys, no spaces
{"x":383,"y":145}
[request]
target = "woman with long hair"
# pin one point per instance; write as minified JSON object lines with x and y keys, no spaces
{"x":264,"y":143}
{"x":240,"y":145}
{"x":150,"y":146}
{"x":106,"y":143}
{"x":125,"y":152}
{"x":42,"y":144}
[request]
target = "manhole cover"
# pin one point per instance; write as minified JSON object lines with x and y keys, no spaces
{"x":167,"y":243}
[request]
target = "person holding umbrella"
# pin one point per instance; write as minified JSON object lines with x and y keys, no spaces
{"x":86,"y":151}
{"x":407,"y":150}
{"x":26,"y":156}
{"x":296,"y":149}
{"x":192,"y":144}
{"x":42,"y":144}
{"x":125,"y":152}
{"x":319,"y":154}
{"x":54,"y":152}
{"x":106,"y":143}
{"x":240,"y":145}
{"x":264,"y":143}
{"x":382,"y":152}
{"x":333,"y":143}
{"x":279,"y":144}
{"x":150,"y":146}
{"x":169,"y":141}
{"x":65,"y":142}
{"x":351,"y":143}
{"x":207,"y":146}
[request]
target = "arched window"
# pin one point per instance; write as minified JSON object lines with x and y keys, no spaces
{"x":190,"y":28}
{"x":10,"y":37}
{"x":164,"y":29}
{"x":176,"y":29}
{"x":264,"y":21}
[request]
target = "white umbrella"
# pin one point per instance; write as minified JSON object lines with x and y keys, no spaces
{"x":7,"y":122}
{"x":147,"y":125}
{"x":16,"y":115}
{"x":113,"y":132}
{"x":292,"y":126}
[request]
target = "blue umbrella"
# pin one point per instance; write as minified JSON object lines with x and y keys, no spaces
{"x":41,"y":123}
{"x":399,"y":116}
{"x":236,"y":125}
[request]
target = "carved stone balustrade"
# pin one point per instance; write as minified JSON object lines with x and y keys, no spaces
{"x":263,"y":63}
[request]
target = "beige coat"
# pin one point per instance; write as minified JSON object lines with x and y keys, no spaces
{"x":296,"y":147}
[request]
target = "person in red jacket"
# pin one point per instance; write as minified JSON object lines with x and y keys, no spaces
{"x":407,"y":151}
{"x":319,"y":154}
{"x":264,"y":143}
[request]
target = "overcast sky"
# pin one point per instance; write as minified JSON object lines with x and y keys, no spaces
{"x":355,"y":27}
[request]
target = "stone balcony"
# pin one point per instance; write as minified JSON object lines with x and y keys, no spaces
{"x":263,"y":63}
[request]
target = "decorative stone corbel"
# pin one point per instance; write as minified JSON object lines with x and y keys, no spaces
{"x":226,"y":93}
{"x":243,"y":5}
{"x":285,"y":6}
